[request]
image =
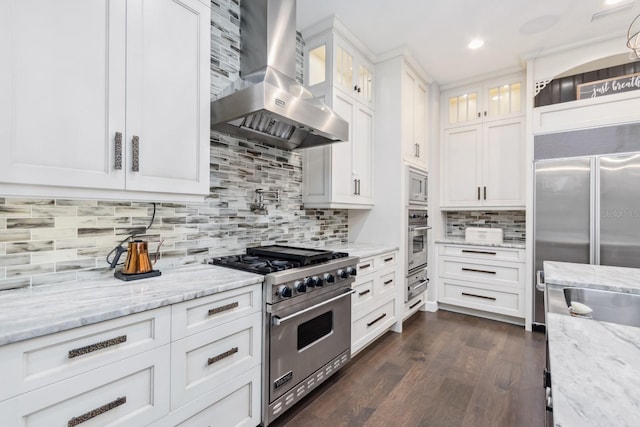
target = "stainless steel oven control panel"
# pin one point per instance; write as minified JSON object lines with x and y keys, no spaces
{"x":311,"y":280}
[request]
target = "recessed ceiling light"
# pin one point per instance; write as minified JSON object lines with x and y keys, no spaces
{"x":475,"y":44}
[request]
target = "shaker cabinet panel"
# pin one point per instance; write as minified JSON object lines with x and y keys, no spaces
{"x":461,"y":153}
{"x":108,"y":95}
{"x":62,"y":93}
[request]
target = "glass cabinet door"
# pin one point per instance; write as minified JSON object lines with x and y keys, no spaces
{"x":463,"y":107}
{"x":504,"y":99}
{"x":317,"y":65}
{"x":344,"y":69}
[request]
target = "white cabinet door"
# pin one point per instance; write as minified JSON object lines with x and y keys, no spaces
{"x":414,"y":130}
{"x":504,"y":163}
{"x":362,"y":153}
{"x":344,"y":186}
{"x":62,"y":91}
{"x":167,"y":95}
{"x":462,"y":156}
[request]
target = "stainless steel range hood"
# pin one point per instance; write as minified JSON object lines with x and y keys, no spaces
{"x":267,"y":104}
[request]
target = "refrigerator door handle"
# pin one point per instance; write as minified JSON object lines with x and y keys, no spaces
{"x":540,"y":285}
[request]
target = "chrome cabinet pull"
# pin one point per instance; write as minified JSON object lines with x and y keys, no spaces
{"x":475,"y":270}
{"x":95,"y":412}
{"x":135,"y":161}
{"x":364,"y":292}
{"x":377,"y":319}
{"x":388,"y":281}
{"x":223,"y":308}
{"x":415,"y":304}
{"x":478,"y":193}
{"x":214,"y":359}
{"x":117,"y":161}
{"x":280,"y":320}
{"x":355,"y":187}
{"x":485,"y":192}
{"x":468,"y":251}
{"x":97,"y":346}
{"x":477,"y":296}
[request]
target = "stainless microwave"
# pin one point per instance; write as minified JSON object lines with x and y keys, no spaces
{"x":418,"y":183}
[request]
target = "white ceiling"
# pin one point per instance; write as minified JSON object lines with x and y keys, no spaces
{"x":437,"y":31}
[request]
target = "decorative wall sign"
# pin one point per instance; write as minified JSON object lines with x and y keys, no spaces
{"x":609,"y":86}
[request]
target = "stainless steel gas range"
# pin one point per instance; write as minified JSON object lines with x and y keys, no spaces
{"x":307,"y":318}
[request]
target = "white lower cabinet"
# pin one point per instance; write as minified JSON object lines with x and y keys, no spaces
{"x":236,"y":403}
{"x":194,"y":363}
{"x":133,"y":391}
{"x":373,"y":309}
{"x":413,"y":305}
{"x":482,"y":278}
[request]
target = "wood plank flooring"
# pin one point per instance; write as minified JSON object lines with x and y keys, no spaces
{"x":444,"y":370}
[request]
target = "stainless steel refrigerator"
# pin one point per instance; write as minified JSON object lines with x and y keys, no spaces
{"x":587,"y":210}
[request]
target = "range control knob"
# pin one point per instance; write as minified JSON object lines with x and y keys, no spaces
{"x":300,"y":286}
{"x":352,"y":271}
{"x":309,"y":283}
{"x":328,"y":278}
{"x":343,"y":273}
{"x":285,"y":292}
{"x":317,"y":281}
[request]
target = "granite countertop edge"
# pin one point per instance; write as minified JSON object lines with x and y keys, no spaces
{"x":595,"y":365}
{"x":33,"y":312}
{"x":505,"y":244}
{"x":363,"y":250}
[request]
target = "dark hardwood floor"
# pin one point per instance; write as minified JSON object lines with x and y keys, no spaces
{"x":444,"y":370}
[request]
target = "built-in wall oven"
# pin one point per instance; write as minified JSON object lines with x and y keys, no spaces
{"x":417,"y":252}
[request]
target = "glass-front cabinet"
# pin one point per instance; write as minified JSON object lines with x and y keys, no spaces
{"x":332,"y":61}
{"x":494,"y":100}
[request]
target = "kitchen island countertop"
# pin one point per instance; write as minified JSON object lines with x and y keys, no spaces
{"x":40,"y":310}
{"x":595,"y":366}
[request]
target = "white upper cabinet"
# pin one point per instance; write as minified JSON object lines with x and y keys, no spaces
{"x":83,"y":83}
{"x":414,"y":118}
{"x":492,"y":100}
{"x":483,"y":146}
{"x":340,"y":175}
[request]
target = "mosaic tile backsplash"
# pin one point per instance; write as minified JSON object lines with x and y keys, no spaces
{"x":46,"y":241}
{"x":512,"y":222}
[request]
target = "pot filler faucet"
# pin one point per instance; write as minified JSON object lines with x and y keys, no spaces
{"x":258,"y":205}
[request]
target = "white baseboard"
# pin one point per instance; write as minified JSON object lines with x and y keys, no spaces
{"x":431,"y":306}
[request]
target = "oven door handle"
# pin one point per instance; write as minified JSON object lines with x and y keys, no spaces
{"x":424,"y":281}
{"x":419,"y":228}
{"x":280,"y":320}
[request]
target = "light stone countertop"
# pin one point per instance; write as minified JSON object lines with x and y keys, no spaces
{"x":505,"y":244}
{"x":362,"y":250}
{"x":31,"y":312}
{"x":595,"y":366}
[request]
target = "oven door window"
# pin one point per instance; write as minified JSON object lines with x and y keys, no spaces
{"x":418,"y":243}
{"x":315,"y":329}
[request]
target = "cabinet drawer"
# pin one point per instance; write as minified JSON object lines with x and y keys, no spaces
{"x":203,"y":313}
{"x":385,"y":284}
{"x":41,"y":361}
{"x":364,"y":292}
{"x":484,"y":252}
{"x":134,"y":391}
{"x":235,"y":403}
{"x":502,"y":302}
{"x":366,"y":266}
{"x":372,"y":324}
{"x":202,"y":361}
{"x":500,"y":274}
{"x":387,"y":259}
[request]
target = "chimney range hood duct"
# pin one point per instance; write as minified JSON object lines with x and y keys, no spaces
{"x":267,"y":104}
